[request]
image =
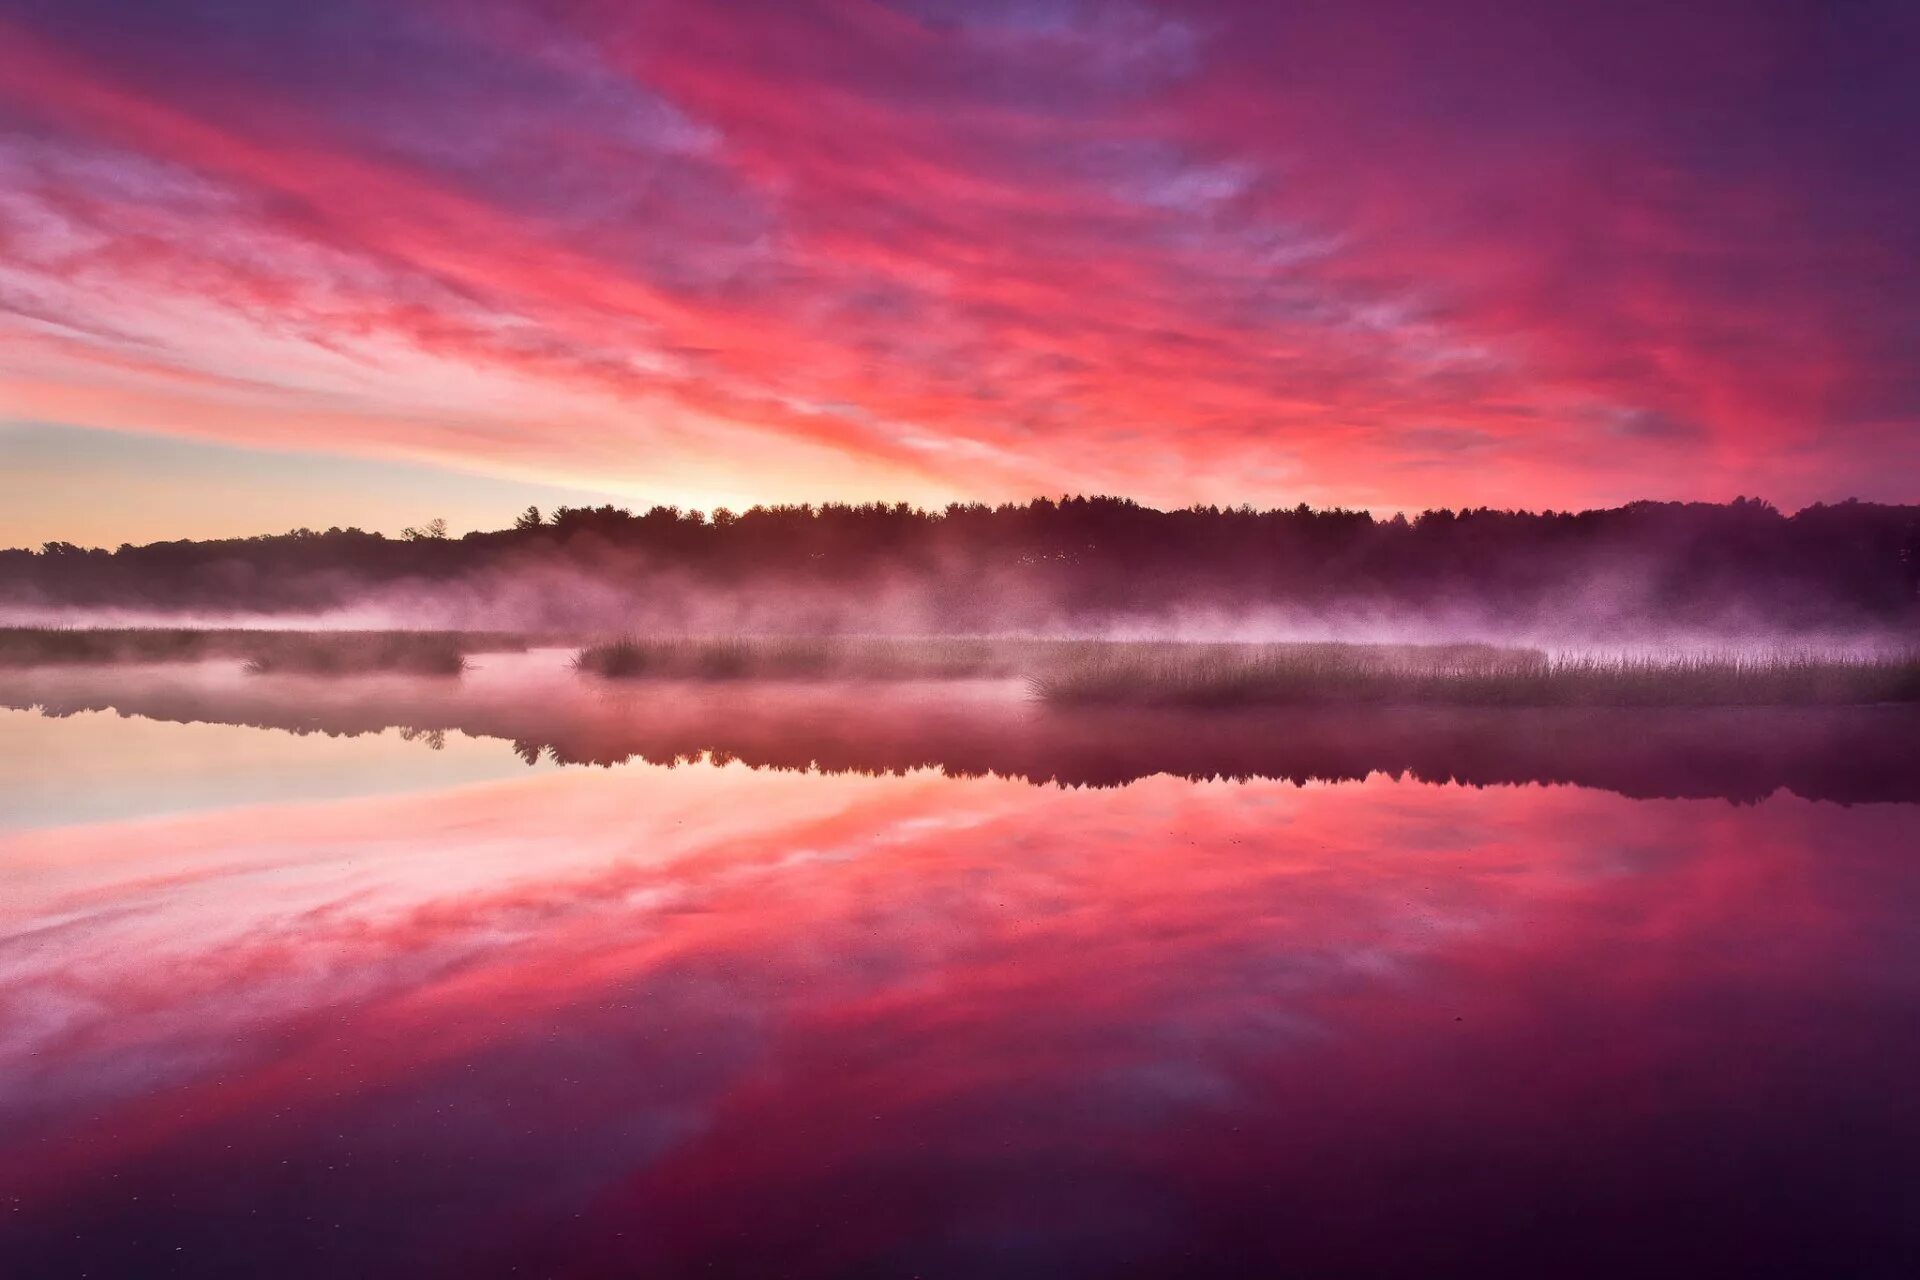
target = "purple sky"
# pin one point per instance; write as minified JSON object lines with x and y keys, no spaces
{"x":370,"y":261}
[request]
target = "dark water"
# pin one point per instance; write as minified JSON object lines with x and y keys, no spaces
{"x":985,"y":992}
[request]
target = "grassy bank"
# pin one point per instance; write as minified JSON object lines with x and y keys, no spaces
{"x":1220,"y":676}
{"x":1071,"y":673}
{"x":1046,"y":664}
{"x":262,"y":652}
{"x":1066,"y":673}
{"x":817,"y":658}
{"x":358,"y":653}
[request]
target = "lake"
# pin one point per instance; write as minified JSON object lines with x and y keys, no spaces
{"x":512,"y":974}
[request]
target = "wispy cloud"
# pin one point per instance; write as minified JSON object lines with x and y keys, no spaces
{"x":1211,"y":251}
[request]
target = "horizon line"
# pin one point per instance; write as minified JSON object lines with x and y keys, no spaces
{"x":707,"y":516}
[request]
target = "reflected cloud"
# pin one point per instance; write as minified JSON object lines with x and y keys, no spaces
{"x":589,"y":1022}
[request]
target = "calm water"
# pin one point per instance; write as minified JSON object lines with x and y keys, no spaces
{"x":402,"y":1003}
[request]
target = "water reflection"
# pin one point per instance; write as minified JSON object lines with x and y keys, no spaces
{"x":1845,"y":754}
{"x":711,"y":1020}
{"x":91,"y":766}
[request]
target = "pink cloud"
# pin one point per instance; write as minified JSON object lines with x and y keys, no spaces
{"x":1216,"y":252}
{"x":657,"y":1000}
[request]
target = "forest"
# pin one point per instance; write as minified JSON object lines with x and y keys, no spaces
{"x":1070,"y":565}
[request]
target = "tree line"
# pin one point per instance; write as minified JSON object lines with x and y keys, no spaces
{"x":1075,"y":558}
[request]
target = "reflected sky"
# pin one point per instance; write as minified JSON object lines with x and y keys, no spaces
{"x":96,"y":765}
{"x":535,"y":705}
{"x":433,"y":1018}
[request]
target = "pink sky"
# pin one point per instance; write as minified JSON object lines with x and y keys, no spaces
{"x":380,"y":261}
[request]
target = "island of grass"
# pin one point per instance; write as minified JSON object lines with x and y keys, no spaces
{"x":1063,"y":673}
{"x":357,"y":653}
{"x":816,"y":658}
{"x":262,"y":652}
{"x":1454,"y":675}
{"x":1078,"y":673}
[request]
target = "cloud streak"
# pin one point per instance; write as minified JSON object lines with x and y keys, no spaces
{"x":593,"y":1021}
{"x":1377,"y":255}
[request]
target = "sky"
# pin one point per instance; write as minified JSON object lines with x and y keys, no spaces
{"x":372,"y":261}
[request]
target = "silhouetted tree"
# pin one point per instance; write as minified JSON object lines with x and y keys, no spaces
{"x":1063,"y":562}
{"x":435,"y":530}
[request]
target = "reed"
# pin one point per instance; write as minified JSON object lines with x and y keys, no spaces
{"x":1218,"y":676}
{"x":261,"y":651}
{"x":360,"y":653}
{"x":1170,"y":673}
{"x":38,"y":646}
{"x":814,"y":658}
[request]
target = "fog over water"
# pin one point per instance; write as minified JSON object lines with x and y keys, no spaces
{"x":1741,"y":574}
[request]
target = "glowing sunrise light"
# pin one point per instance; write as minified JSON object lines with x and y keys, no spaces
{"x":1378,"y":255}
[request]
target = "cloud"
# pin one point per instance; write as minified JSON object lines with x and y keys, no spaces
{"x":638,"y":1005}
{"x":1202,"y":252}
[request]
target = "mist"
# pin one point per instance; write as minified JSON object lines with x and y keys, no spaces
{"x":1735,"y":575}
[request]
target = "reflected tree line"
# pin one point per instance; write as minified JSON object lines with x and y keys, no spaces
{"x":1845,"y":755}
{"x":979,"y":566}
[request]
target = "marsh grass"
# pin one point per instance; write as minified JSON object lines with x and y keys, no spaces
{"x":35,"y":646}
{"x":1166,"y":673}
{"x":1093,"y":666}
{"x":360,"y":653}
{"x":1237,"y":675}
{"x":1065,"y":673}
{"x":261,"y":652}
{"x":811,"y":658}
